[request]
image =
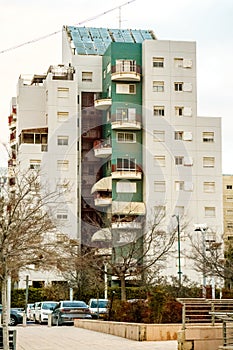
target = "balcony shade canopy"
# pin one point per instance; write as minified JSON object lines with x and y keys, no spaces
{"x":102,"y":235}
{"x":128,"y":208}
{"x":104,"y":184}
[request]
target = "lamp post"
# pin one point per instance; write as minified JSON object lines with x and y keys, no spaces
{"x":202,"y":228}
{"x":179,"y":262}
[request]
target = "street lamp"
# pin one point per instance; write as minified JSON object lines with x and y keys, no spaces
{"x":178,"y":232}
{"x":202,"y":228}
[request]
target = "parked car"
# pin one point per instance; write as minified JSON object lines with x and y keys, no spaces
{"x":29,"y":312}
{"x":16,"y":316}
{"x":42,"y":310}
{"x":66,"y":311}
{"x":98,"y":307}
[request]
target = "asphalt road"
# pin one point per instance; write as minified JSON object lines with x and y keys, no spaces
{"x":42,"y":337}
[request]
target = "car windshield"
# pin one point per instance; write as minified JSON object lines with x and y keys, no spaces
{"x":74,"y":304}
{"x":48,"y":306}
{"x":101,"y":303}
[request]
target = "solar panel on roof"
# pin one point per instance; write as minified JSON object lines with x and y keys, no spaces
{"x":105,"y":34}
{"x":146,"y":34}
{"x":127,"y":36}
{"x":137,"y":36}
{"x":117,"y":36}
{"x":90,"y":49}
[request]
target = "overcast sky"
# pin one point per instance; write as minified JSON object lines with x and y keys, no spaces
{"x":207,"y":22}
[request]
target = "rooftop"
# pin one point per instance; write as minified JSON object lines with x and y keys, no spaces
{"x":95,"y":41}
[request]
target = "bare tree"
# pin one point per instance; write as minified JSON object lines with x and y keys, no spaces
{"x":28,"y":234}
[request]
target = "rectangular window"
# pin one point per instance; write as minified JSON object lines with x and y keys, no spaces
{"x":125,"y":66}
{"x":158,"y":86}
{"x":178,"y":61}
{"x":87,"y":76}
{"x":62,"y":116}
{"x":62,"y":140}
{"x":208,"y":162}
{"x":126,"y":89}
{"x":179,"y":185}
{"x":126,"y":187}
{"x":179,"y":160}
{"x":35,"y":164}
{"x":229,"y":187}
{"x":158,"y":62}
{"x":229,"y":225}
{"x":229,"y":211}
{"x":159,"y":186}
{"x":62,"y":165}
{"x":159,"y":111}
{"x":179,"y":135}
{"x":178,"y":86}
{"x":126,"y":137}
{"x":159,"y":161}
{"x":179,"y":111}
{"x":126,"y":164}
{"x":208,"y":136}
{"x":159,"y":135}
{"x":229,"y":199}
{"x":210,"y":211}
{"x":62,"y":215}
{"x":209,"y":187}
{"x":62,"y":92}
{"x":126,"y":114}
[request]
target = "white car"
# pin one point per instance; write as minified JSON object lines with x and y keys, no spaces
{"x":42,"y":310}
{"x":98,"y":307}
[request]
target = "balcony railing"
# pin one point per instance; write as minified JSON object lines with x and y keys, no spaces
{"x":126,"y":73}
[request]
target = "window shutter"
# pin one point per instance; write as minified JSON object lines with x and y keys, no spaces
{"x":188,"y":161}
{"x":187,"y":112}
{"x":187,"y":87}
{"x":188,"y":186}
{"x":187,"y":136}
{"x":187,"y":63}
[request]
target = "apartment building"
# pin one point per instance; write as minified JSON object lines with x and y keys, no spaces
{"x":119,"y":119}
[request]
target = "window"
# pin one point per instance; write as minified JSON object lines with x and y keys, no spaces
{"x":62,"y":92}
{"x":126,"y":187}
{"x":229,"y":199}
{"x":178,"y":61}
{"x":109,"y":67}
{"x":229,"y":187}
{"x":62,"y":140}
{"x":62,"y":165}
{"x":208,"y":136}
{"x":179,"y":185}
{"x":158,"y":86}
{"x":179,"y":111}
{"x":126,"y":164}
{"x":209,"y":187}
{"x":159,"y":161}
{"x":158,"y":62}
{"x":179,"y":160}
{"x":126,"y":114}
{"x":125,"y":88}
{"x":62,"y":215}
{"x":62,"y":116}
{"x":159,"y":135}
{"x":159,"y":186}
{"x":178,"y":86}
{"x":208,"y":162}
{"x":35,"y":164}
{"x":210,"y":211}
{"x":125,"y":66}
{"x":159,"y":111}
{"x":229,"y":211}
{"x":87,"y":76}
{"x":229,"y":225}
{"x":126,"y":137}
{"x":179,"y":135}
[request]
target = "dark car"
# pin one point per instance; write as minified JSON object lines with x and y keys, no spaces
{"x":16,"y":316}
{"x":66,"y":311}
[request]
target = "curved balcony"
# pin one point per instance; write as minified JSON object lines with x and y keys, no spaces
{"x":126,"y":124}
{"x":127,"y":174}
{"x":103,"y":103}
{"x":126,"y":73}
{"x":103,"y":150}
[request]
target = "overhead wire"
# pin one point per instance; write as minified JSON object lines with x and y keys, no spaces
{"x":59,"y":31}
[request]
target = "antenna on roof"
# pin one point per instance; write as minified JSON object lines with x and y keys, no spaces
{"x":126,"y":3}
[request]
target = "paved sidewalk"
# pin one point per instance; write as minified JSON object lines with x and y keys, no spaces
{"x":36,"y":337}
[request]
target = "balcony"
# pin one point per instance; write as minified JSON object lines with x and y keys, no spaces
{"x":126,"y":225}
{"x":127,"y":174}
{"x":103,"y":185}
{"x":126,"y":72}
{"x":102,"y":201}
{"x":102,"y":150}
{"x":126,"y":124}
{"x":103,"y":104}
{"x":128,"y":208}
